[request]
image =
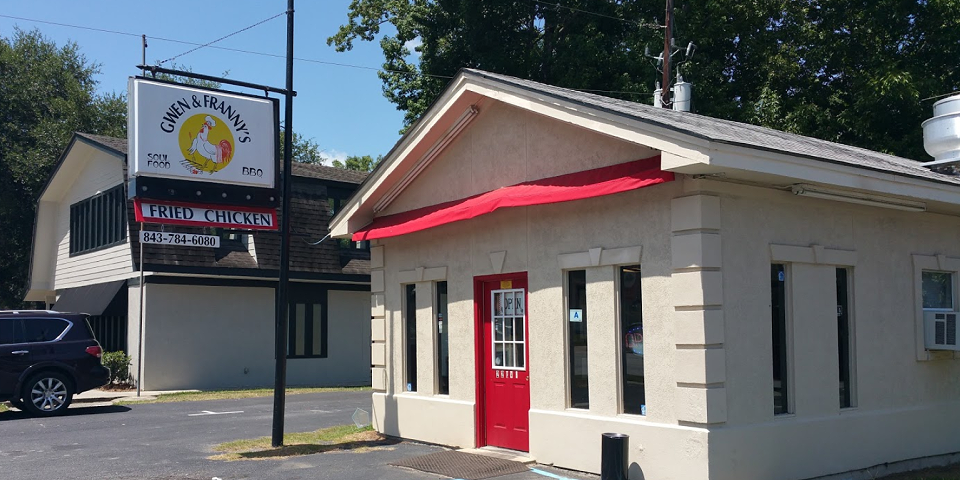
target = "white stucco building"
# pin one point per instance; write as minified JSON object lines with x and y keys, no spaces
{"x":208,"y":313}
{"x":746,"y":304}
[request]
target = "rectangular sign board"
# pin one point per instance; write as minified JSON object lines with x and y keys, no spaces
{"x":179,"y":213}
{"x":188,"y":133}
{"x":181,"y":239}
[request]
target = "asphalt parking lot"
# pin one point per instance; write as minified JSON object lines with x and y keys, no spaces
{"x":171,"y":441}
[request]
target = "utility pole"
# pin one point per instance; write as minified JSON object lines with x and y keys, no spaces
{"x":667,"y":37}
{"x":280,"y":385}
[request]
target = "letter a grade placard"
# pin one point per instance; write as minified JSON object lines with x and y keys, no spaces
{"x":204,"y":152}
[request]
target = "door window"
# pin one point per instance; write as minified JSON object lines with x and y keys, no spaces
{"x":508,"y":330}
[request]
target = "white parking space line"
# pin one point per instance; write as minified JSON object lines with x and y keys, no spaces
{"x":207,"y":412}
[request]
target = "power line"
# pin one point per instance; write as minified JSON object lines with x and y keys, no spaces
{"x":261,"y":22}
{"x":228,"y":49}
{"x":611,"y":17}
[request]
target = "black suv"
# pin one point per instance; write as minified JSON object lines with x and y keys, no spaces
{"x":47,"y":357}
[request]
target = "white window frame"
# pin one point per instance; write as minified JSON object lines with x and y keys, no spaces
{"x":935,"y":263}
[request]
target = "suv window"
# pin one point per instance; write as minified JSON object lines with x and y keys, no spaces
{"x":10,"y":331}
{"x":44,"y":329}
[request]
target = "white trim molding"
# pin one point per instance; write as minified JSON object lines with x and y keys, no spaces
{"x":600,"y":257}
{"x":422,"y":274}
{"x":815,"y":254}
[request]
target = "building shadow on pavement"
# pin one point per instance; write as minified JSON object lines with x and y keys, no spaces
{"x":14,"y":414}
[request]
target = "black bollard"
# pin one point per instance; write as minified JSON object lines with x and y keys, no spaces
{"x":613,"y":456}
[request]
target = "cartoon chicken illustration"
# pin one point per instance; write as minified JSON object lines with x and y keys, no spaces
{"x":217,"y":153}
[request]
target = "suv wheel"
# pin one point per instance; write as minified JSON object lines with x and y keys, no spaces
{"x":48,"y":393}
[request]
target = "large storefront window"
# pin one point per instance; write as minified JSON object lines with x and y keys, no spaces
{"x":631,"y":331}
{"x":577,"y":335}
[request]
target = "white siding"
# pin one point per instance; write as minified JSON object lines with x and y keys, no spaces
{"x":100,"y":172}
{"x":209,"y":337}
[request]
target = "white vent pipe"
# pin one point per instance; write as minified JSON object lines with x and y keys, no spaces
{"x":941,"y":134}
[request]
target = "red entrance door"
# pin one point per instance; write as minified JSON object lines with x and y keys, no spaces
{"x":503,"y":417}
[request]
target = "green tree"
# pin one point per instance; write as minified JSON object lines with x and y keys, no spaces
{"x":196,"y":82}
{"x":46,"y":94}
{"x":365,"y":163}
{"x":303,"y":150}
{"x":851,"y":71}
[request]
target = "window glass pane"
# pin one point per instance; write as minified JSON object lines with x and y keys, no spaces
{"x":520,"y":356}
{"x":317,"y":345}
{"x":518,"y":329}
{"x":937,"y":290}
{"x":498,"y":329}
{"x":301,"y":310}
{"x":577,"y":335}
{"x":508,"y":329}
{"x":631,"y":328}
{"x":843,"y":336}
{"x":43,"y":329}
{"x":410,"y":331}
{"x":6,"y":331}
{"x":498,"y":355}
{"x":443,"y":354}
{"x":779,"y":329}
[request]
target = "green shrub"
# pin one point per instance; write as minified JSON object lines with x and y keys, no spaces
{"x":119,"y":365}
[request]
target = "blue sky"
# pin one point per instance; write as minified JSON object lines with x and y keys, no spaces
{"x":342,"y":108}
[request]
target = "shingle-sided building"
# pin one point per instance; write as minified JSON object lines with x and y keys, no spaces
{"x":208,"y":313}
{"x":746,"y":304}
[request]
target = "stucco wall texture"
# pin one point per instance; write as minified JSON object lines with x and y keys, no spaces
{"x":706,"y":311}
{"x":222,"y":337}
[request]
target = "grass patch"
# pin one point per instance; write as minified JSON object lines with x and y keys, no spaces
{"x":339,"y":438}
{"x":951,"y":472}
{"x":3,"y":407}
{"x":234,"y":394}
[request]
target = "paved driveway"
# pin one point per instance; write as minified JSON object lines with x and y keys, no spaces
{"x":173,"y":440}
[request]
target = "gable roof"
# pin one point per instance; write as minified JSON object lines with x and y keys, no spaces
{"x":689,"y":144}
{"x":730,"y":132}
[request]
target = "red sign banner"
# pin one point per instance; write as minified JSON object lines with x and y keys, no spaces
{"x":180,"y":213}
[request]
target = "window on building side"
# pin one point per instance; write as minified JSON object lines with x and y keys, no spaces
{"x":937,"y":290}
{"x":307,"y":331}
{"x":631,"y":331}
{"x":99,"y":221}
{"x":844,"y":338}
{"x":577,"y":338}
{"x":410,"y":337}
{"x":778,"y":305}
{"x":443,"y":352}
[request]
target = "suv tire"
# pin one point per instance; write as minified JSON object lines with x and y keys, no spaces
{"x":47,"y":394}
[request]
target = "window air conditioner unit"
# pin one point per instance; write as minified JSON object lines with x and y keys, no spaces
{"x":940,"y":330}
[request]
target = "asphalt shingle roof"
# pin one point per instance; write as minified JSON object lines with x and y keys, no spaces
{"x":324,"y":172}
{"x":733,"y":133}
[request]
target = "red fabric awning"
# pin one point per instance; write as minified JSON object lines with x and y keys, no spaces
{"x":564,"y":188}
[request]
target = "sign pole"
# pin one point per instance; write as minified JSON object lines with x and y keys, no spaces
{"x":281,"y":297}
{"x":140,"y":333}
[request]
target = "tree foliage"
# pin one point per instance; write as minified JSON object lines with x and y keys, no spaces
{"x":303,"y":150}
{"x":365,"y":163}
{"x":46,"y":94}
{"x":851,"y":71}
